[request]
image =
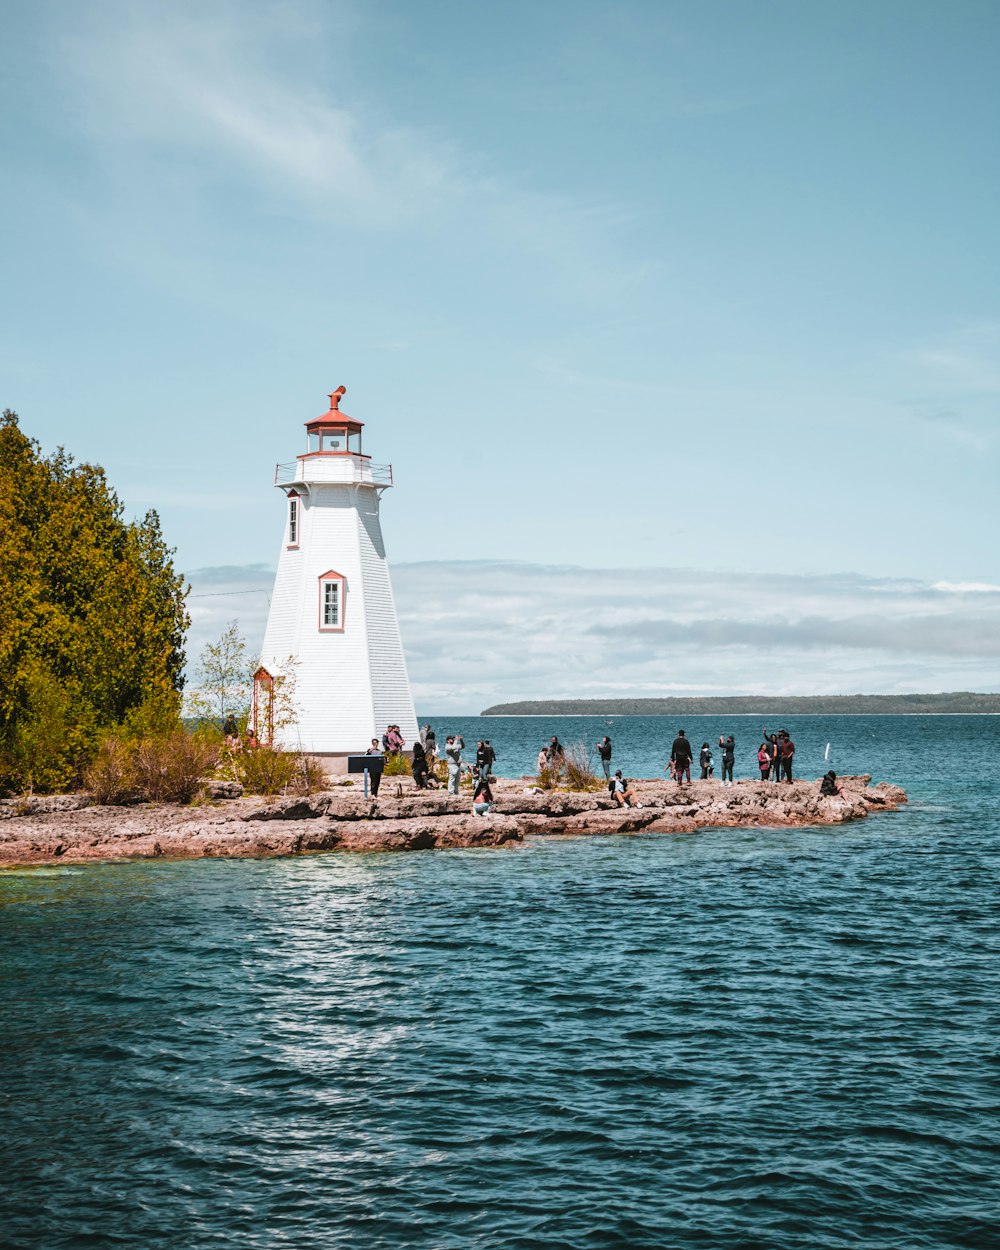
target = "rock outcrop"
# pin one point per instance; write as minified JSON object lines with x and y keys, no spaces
{"x":67,"y":828}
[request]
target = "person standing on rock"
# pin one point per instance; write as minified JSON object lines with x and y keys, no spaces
{"x":764,"y":761}
{"x":485,"y":755}
{"x":774,"y":753}
{"x":681,"y":756}
{"x":706,"y":762}
{"x":375,"y":774}
{"x":556,"y":752}
{"x":453,"y":749}
{"x":787,"y":751}
{"x":604,"y":752}
{"x":543,"y":758}
{"x":728,"y":746}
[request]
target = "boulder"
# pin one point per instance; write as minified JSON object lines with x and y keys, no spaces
{"x":216,"y":789}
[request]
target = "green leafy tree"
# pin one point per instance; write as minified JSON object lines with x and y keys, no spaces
{"x":92,"y":616}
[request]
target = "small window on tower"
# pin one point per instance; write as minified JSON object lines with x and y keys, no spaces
{"x":331,"y":605}
{"x":293,"y":522}
{"x":331,"y":601}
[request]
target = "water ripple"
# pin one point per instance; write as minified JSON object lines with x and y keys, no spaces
{"x":777,"y":1038}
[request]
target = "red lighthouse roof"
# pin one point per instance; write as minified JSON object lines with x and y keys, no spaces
{"x":335,"y":416}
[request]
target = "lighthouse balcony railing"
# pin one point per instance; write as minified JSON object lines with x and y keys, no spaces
{"x":332,"y":469}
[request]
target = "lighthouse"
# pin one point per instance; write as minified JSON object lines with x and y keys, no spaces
{"x":332,"y":674}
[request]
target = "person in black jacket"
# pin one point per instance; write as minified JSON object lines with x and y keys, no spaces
{"x":828,"y":787}
{"x":680,"y":756}
{"x":419,"y":766}
{"x":787,"y":751}
{"x":728,"y":746}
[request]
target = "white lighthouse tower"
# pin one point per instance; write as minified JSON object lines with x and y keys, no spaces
{"x":332,"y":635}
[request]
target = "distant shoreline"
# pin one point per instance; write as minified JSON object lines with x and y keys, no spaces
{"x":961,"y":703}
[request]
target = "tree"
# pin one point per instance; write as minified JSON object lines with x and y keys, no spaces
{"x":225,"y":678}
{"x":92,"y":615}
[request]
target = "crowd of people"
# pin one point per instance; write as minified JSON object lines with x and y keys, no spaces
{"x":774,"y":757}
{"x":774,"y":762}
{"x":424,"y":763}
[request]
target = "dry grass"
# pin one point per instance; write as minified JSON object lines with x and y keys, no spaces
{"x":579,"y":771}
{"x":110,"y":776}
{"x":269,"y":770}
{"x":167,"y":769}
{"x":572,"y":771}
{"x":170,"y":769}
{"x":264,"y":769}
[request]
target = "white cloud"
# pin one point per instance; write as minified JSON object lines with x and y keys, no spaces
{"x":256,"y":92}
{"x":967,"y":588}
{"x":477,"y":633}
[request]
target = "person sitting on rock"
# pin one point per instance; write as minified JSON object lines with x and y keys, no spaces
{"x":419,"y":766}
{"x":482,"y":798}
{"x":621,"y":793}
{"x":828,"y":787}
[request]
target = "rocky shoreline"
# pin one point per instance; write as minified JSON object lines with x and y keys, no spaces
{"x":69,"y":829}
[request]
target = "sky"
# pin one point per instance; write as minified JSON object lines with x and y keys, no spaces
{"x":679,"y":322}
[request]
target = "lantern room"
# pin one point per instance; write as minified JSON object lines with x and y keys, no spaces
{"x":334,"y":433}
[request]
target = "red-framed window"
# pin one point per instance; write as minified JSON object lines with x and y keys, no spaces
{"x":293,"y":520}
{"x":332,"y":588}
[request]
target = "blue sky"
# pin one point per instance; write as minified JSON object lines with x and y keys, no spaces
{"x":692,"y":295}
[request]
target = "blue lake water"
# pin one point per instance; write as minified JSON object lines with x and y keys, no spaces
{"x":731,"y":1039}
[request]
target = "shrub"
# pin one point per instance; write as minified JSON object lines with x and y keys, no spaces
{"x":110,"y":777}
{"x":396,"y":766}
{"x":312,"y":775}
{"x":550,"y":775}
{"x":579,"y":770}
{"x":170,"y":769}
{"x":573,"y":771}
{"x":265,"y":769}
